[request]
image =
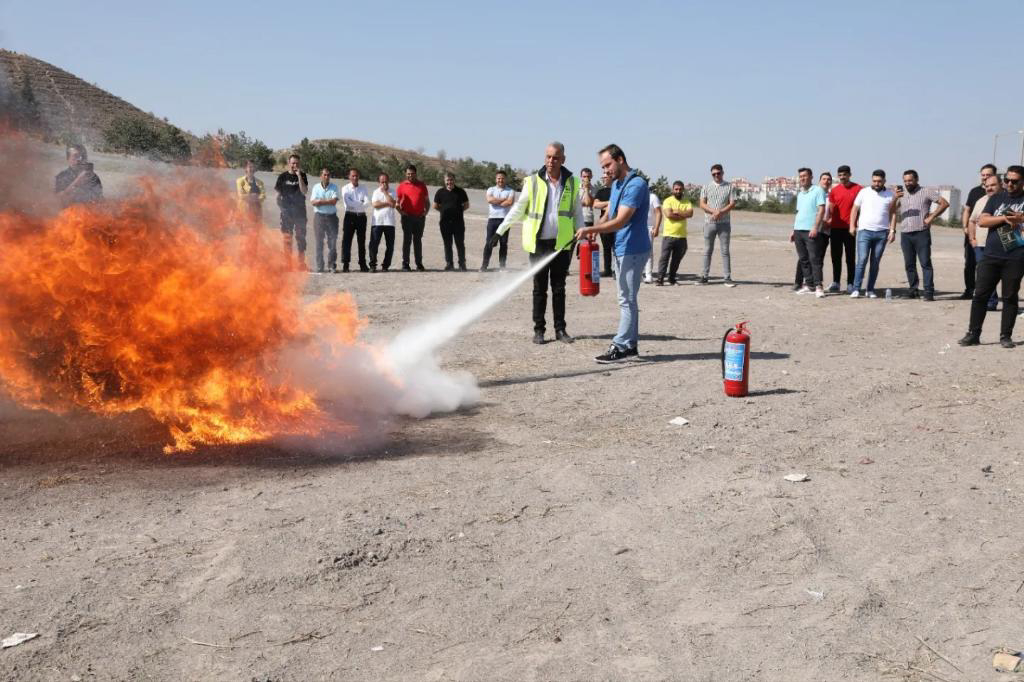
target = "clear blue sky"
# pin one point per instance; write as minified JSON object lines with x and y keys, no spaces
{"x":760,"y":87}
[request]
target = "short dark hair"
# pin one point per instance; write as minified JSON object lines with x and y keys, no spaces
{"x":804,"y":169}
{"x":911,"y":172}
{"x":586,"y":170}
{"x":501,"y":172}
{"x":382,"y":174}
{"x":293,"y":156}
{"x":246,"y":162}
{"x":989,"y":165}
{"x":615,"y":151}
{"x":823,"y":174}
{"x":843,"y":169}
{"x":878,"y":172}
{"x":411,"y":167}
{"x":678,"y":182}
{"x":1019,"y":170}
{"x":354,"y":169}
{"x":717,"y":167}
{"x":449,"y":174}
{"x":325,"y":168}
{"x":80,"y":148}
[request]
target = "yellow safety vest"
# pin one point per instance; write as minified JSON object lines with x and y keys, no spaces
{"x":537,"y":190}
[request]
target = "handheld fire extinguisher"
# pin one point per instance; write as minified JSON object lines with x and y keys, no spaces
{"x":736,"y":361}
{"x":590,"y":267}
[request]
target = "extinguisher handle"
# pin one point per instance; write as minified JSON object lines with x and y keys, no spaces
{"x":726,"y":336}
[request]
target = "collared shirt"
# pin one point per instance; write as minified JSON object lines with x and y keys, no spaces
{"x":412,"y":197}
{"x":807,"y":203}
{"x":550,"y":225}
{"x":633,"y":238}
{"x":915,"y":207}
{"x":355,"y":197}
{"x":549,"y":230}
{"x":320,"y":192}
{"x":386,"y":215}
{"x":717,"y":195}
{"x":499,"y":193}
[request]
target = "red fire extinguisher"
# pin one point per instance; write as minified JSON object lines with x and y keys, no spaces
{"x":590,"y":267}
{"x":736,"y":361}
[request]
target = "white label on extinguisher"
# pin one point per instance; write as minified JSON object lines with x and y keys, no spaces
{"x":734,"y":358}
{"x":595,"y":266}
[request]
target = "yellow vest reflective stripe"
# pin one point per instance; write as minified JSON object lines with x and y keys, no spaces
{"x":538,"y":192}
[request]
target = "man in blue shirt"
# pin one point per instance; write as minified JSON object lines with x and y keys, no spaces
{"x":627,"y":218}
{"x":807,"y":232}
{"x":324,"y":198}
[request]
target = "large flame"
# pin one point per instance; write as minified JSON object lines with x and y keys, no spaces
{"x":168,"y":302}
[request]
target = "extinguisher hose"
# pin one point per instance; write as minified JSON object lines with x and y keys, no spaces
{"x":727,"y":332}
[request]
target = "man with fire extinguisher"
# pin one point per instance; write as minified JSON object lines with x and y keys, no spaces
{"x":549,"y":209}
{"x":627,"y":211}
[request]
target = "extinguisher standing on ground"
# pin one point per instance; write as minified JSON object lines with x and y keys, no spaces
{"x":590,"y":267}
{"x":736,"y":361}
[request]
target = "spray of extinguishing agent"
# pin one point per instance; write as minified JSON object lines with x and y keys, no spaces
{"x":736,"y":361}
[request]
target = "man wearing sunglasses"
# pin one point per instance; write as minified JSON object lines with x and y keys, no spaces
{"x":717,"y":203}
{"x":1003,"y":258}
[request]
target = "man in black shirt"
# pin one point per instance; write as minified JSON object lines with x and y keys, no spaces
{"x":77,"y":184}
{"x":291,"y":189}
{"x":970,"y":262}
{"x":1003,"y":258}
{"x":602,"y":198}
{"x":451,"y":202}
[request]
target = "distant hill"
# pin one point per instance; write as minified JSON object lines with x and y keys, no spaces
{"x":69,"y":107}
{"x":377,"y":151}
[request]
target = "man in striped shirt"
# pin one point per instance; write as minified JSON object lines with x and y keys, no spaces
{"x":717,"y":203}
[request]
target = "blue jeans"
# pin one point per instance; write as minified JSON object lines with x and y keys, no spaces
{"x":630,"y":272}
{"x":869,"y":244}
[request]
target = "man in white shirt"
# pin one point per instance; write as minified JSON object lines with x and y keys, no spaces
{"x":654,"y":227}
{"x":383,"y":223}
{"x":324,"y":198}
{"x":356,"y":202}
{"x":871,"y":221}
{"x":499,"y":200}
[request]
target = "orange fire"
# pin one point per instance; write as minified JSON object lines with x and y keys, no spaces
{"x":167,"y":302}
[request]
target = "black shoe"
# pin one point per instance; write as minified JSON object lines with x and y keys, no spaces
{"x":406,"y":268}
{"x":991,"y":307}
{"x":970,"y":339}
{"x":373,"y":268}
{"x":363,"y":268}
{"x":660,"y":282}
{"x":672,"y":281}
{"x":420,"y":268}
{"x":967,"y":295}
{"x":344,"y":268}
{"x":462,"y":268}
{"x":320,"y":271}
{"x":607,"y":273}
{"x":1006,"y":342}
{"x":538,"y":337}
{"x":913,"y":293}
{"x":928,"y":296}
{"x":563,"y":336}
{"x":702,"y":280}
{"x":484,"y":268}
{"x":449,"y":267}
{"x":613,"y":354}
{"x":384,"y":269}
{"x":633,"y":352}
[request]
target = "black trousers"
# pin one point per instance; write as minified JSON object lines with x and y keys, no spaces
{"x":992,"y":271}
{"x":492,"y":228}
{"x":325,"y":227}
{"x":608,"y":247}
{"x":970,"y":264}
{"x":454,"y":232}
{"x":355,"y":224}
{"x":412,"y":233}
{"x":555,"y":272}
{"x":376,"y":232}
{"x":672,"y":251}
{"x":843,"y":241}
{"x":293,"y":224}
{"x":810,"y":253}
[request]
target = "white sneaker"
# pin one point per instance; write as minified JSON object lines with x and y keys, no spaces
{"x":872,"y":294}
{"x":818,"y":293}
{"x":855,"y":294}
{"x":804,"y":290}
{"x":648,"y":280}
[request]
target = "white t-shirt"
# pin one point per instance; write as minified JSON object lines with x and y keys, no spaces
{"x":874,"y":209}
{"x":499,"y":211}
{"x":386,"y":215}
{"x":655,"y":205}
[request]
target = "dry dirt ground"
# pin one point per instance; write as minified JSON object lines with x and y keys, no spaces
{"x":561,"y":529}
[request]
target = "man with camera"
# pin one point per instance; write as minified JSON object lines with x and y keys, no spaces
{"x":78,"y":183}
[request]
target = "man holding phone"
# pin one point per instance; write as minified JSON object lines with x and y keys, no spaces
{"x":913,"y":211}
{"x":78,"y":183}
{"x":1003,"y":258}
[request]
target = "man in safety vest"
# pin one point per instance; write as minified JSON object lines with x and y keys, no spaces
{"x":549,"y":209}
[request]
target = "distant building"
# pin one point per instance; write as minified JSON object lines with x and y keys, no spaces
{"x":952,"y":195}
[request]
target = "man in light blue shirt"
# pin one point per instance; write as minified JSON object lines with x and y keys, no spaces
{"x":500,"y":199}
{"x":628,"y":207}
{"x":808,"y":234}
{"x":324,"y":198}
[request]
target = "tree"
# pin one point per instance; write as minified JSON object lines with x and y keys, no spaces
{"x":661,"y":188}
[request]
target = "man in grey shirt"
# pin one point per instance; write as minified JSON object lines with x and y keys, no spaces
{"x":915,"y":220}
{"x":717,"y":203}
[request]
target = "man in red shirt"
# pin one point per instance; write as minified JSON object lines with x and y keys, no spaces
{"x":413,"y":204}
{"x":841,"y":197}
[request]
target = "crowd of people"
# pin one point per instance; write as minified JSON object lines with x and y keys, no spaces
{"x":556,"y":209}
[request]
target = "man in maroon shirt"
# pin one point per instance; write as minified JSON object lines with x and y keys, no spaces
{"x":413,"y":204}
{"x":841,"y":197}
